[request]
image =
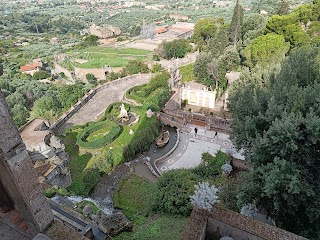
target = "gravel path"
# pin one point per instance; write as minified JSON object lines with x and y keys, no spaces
{"x":93,"y":109}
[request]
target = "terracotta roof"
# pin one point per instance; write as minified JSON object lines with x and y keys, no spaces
{"x":162,"y":30}
{"x":29,"y":67}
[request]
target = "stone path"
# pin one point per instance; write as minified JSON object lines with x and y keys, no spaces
{"x":94,"y":109}
{"x":188,"y":153}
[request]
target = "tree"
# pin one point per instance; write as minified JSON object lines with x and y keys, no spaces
{"x":20,"y":114}
{"x":266,"y":49}
{"x":136,"y":66}
{"x":91,"y":79}
{"x":204,"y":30}
{"x":220,"y":41}
{"x":276,"y":121}
{"x":40,"y":75}
{"x":205,"y":196}
{"x":200,"y":69}
{"x":45,"y":108}
{"x":174,"y":49}
{"x":253,"y":27}
{"x":236,"y":23}
{"x":282,"y":8}
{"x":172,"y":191}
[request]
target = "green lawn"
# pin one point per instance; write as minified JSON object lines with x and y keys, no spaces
{"x":101,"y":56}
{"x":132,"y":196}
{"x":98,"y":133}
{"x":117,"y":51}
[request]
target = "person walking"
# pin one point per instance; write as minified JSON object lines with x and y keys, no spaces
{"x":216,"y":135}
{"x":195,"y":131}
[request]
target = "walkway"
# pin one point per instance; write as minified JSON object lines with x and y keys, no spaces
{"x":188,"y":153}
{"x":94,"y":109}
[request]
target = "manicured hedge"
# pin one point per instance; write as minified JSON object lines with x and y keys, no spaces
{"x":108,"y":138}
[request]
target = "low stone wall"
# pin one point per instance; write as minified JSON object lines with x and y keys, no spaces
{"x":80,"y":73}
{"x":58,"y":69}
{"x":233,"y":224}
{"x":89,"y":95}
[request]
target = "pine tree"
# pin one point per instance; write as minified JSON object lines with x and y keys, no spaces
{"x":236,"y":22}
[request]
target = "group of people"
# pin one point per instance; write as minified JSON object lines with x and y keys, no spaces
{"x":205,"y":132}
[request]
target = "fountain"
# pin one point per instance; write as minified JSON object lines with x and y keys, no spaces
{"x":127,"y":118}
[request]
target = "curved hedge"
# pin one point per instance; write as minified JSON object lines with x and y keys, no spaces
{"x":100,"y":142}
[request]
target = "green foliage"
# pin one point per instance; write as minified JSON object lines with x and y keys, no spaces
{"x":156,"y":68}
{"x":132,"y":197}
{"x":83,"y":180}
{"x":201,"y":69}
{"x":69,"y":94}
{"x":253,"y":27}
{"x":172,"y":191}
{"x":136,"y":66}
{"x":282,"y":8}
{"x":236,"y":24}
{"x":41,"y":75}
{"x":174,"y":49}
{"x":157,"y":228}
{"x":204,"y":30}
{"x":91,"y":78}
{"x":90,"y":40}
{"x":293,"y":26}
{"x":153,"y":93}
{"x":210,"y":166}
{"x":266,"y":49}
{"x":111,"y":131}
{"x":220,"y":41}
{"x":20,"y":114}
{"x":282,"y":141}
{"x":187,"y":73}
{"x":45,"y":108}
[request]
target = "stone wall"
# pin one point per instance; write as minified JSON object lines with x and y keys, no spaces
{"x":56,"y":125}
{"x":58,"y":69}
{"x":18,"y":176}
{"x":80,"y":73}
{"x":234,"y":225}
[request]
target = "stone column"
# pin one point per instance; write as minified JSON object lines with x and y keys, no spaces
{"x":18,"y":177}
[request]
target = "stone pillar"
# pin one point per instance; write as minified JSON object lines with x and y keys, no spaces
{"x":18,"y":177}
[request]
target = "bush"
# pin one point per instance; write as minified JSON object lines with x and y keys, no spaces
{"x":210,"y":166}
{"x":82,"y":137}
{"x":172,"y":193}
{"x":41,"y":75}
{"x":176,"y":48}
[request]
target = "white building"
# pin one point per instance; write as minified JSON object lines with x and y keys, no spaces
{"x":198,"y":95}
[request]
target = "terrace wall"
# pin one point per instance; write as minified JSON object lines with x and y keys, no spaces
{"x":89,"y":95}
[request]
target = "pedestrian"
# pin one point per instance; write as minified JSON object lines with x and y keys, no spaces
{"x":216,"y":134}
{"x":195,"y":131}
{"x":205,"y":130}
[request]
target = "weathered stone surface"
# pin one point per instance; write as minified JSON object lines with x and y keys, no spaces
{"x":150,"y":114}
{"x":105,"y":31}
{"x":87,"y":209}
{"x":114,"y":224}
{"x":18,"y":176}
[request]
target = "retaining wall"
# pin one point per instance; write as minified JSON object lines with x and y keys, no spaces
{"x":89,"y":95}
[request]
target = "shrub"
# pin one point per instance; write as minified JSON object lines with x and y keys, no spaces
{"x":100,"y":142}
{"x":210,"y":166}
{"x":41,"y":75}
{"x":172,"y":191}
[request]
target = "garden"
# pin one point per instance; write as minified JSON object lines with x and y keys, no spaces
{"x":99,"y":56}
{"x":97,"y":147}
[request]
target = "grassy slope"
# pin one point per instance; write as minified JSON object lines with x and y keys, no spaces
{"x":132,"y":195}
{"x":187,"y":73}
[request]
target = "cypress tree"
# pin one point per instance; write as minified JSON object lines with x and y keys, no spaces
{"x":236,"y":22}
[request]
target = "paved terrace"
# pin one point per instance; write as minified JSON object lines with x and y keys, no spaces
{"x":189,"y":150}
{"x":95,"y":107}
